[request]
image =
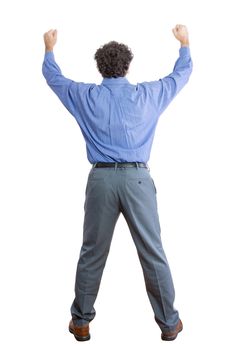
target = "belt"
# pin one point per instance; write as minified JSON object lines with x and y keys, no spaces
{"x":120,"y":165}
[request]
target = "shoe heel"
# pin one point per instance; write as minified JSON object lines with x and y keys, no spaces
{"x":82,"y":338}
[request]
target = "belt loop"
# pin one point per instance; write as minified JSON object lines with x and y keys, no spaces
{"x":136,"y":165}
{"x":94,"y":165}
{"x":115,"y":166}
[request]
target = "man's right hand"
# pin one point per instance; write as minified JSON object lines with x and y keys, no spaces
{"x":181,"y":33}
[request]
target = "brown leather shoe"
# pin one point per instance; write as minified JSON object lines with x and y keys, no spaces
{"x":81,"y":333}
{"x":172,"y":335}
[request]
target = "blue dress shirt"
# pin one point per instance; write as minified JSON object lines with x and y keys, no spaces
{"x":116,"y":118}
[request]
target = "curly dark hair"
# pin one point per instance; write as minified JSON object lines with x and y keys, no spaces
{"x":113,"y":59}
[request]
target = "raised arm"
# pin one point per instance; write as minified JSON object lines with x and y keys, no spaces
{"x":63,"y":87}
{"x":165,"y":89}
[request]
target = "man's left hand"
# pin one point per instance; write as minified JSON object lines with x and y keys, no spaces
{"x":50,"y":39}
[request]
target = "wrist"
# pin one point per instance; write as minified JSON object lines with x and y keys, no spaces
{"x":48,"y":48}
{"x":184,"y":43}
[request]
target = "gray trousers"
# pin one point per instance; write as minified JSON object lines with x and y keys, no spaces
{"x":130,"y":191}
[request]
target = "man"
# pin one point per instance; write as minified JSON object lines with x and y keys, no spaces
{"x":118,"y":121}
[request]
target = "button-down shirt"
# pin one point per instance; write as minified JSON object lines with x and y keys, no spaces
{"x":118,"y":119}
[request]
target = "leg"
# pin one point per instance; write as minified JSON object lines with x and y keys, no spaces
{"x":139,"y":207}
{"x":101,"y":214}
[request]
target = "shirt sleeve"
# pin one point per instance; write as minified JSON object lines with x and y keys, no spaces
{"x":164,"y":90}
{"x":68,"y":91}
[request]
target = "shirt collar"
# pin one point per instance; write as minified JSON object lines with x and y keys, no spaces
{"x":115,"y":81}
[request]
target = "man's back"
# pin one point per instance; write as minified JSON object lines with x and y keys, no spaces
{"x":118,"y":119}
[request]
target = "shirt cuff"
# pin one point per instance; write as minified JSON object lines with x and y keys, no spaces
{"x":49,"y":54}
{"x":184,"y":51}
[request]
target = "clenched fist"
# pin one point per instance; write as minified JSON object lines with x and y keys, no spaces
{"x":181,"y":33}
{"x":50,"y":39}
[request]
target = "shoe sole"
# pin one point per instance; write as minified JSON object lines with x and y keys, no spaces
{"x":164,"y":337}
{"x":79,"y":338}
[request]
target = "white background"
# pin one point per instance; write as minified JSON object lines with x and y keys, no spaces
{"x":44,"y":171}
